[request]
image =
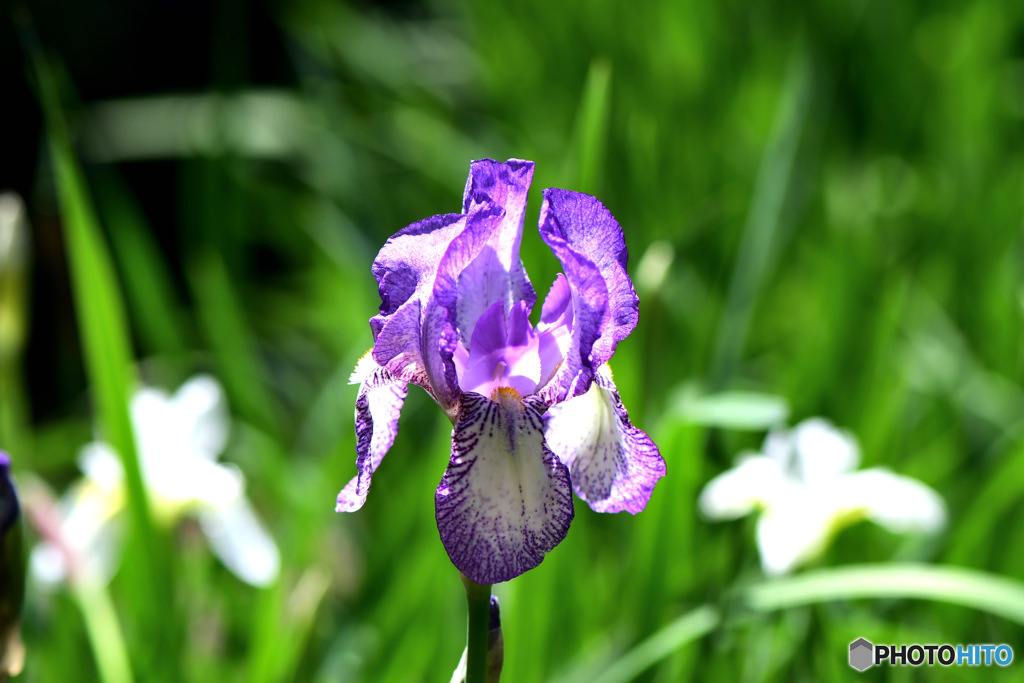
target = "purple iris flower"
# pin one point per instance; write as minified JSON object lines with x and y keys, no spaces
{"x":534,"y":408}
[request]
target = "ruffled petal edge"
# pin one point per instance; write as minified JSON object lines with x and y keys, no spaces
{"x":613,"y":465}
{"x":378,"y":406}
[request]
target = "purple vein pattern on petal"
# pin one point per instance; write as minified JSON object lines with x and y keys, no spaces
{"x":378,"y":406}
{"x":614,"y":466}
{"x":589,"y":229}
{"x":505,"y":499}
{"x":406,"y":269}
{"x":589,"y":293}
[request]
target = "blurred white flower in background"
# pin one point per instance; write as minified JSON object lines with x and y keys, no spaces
{"x":178,"y":439}
{"x":805,"y":484}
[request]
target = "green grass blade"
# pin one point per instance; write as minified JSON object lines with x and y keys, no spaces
{"x":686,"y":629}
{"x":977,"y":590}
{"x":592,"y":129}
{"x":765,"y":220}
{"x":227,"y":331}
{"x":105,"y":342}
{"x":107,"y":353}
{"x":152,"y":302}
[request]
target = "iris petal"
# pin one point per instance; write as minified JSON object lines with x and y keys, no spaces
{"x":589,"y":300}
{"x":823,"y":452}
{"x":201,"y":408}
{"x":505,"y":499}
{"x":791,"y":534}
{"x":898,"y":503}
{"x":756,"y":481}
{"x":406,"y":265}
{"x":492,"y":183}
{"x":614,"y":465}
{"x":240,"y":541}
{"x":587,"y":228}
{"x":378,"y":406}
{"x":504,"y":353}
{"x":406,"y":270}
{"x":480,"y":267}
{"x":554,"y":332}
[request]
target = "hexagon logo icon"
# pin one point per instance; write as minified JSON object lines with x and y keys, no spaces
{"x":861,"y":654}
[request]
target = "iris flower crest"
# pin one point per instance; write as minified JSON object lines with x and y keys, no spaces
{"x":535,"y":411}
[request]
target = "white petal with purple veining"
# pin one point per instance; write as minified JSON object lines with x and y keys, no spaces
{"x":614,"y":466}
{"x":378,"y":406}
{"x":505,"y":499}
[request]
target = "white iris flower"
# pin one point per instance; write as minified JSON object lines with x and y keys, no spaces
{"x":806,"y":485}
{"x":178,"y":439}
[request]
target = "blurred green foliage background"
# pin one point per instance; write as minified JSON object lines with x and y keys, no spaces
{"x":827,"y":203}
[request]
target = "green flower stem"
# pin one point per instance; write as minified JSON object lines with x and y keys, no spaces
{"x":478,"y":599}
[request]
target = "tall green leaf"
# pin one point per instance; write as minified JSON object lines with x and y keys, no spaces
{"x":107,"y":352}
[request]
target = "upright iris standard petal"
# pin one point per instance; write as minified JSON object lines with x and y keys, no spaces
{"x":497,"y":273}
{"x":587,"y":228}
{"x":614,"y":466}
{"x":505,"y":499}
{"x":378,"y":406}
{"x":821,"y":452}
{"x":480,"y":267}
{"x":201,"y":405}
{"x":504,"y":353}
{"x":554,"y":332}
{"x":588,"y":297}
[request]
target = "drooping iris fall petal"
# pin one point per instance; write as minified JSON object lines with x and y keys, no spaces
{"x":378,"y":406}
{"x":614,"y":466}
{"x":505,"y":499}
